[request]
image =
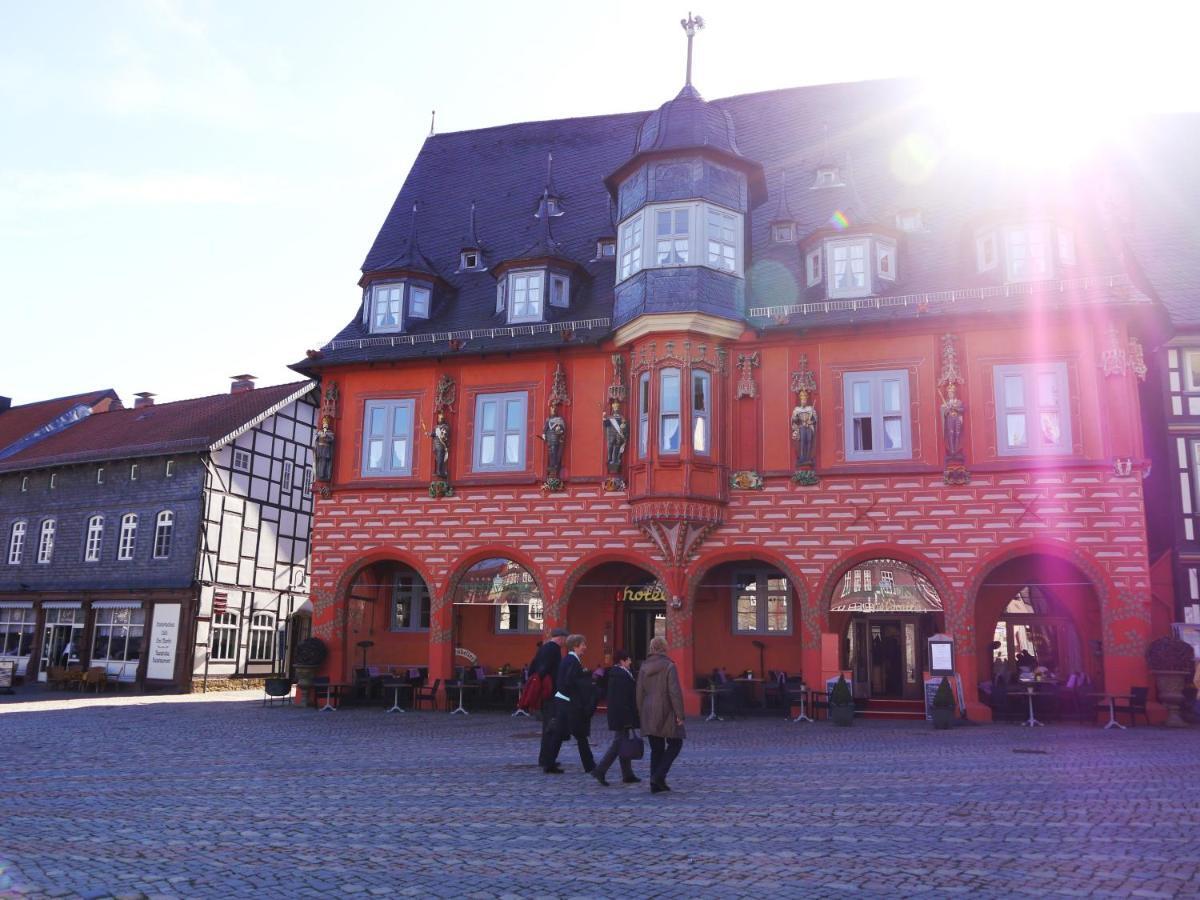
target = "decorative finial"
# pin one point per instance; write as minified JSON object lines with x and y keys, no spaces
{"x":432,"y":120}
{"x":691,"y":25}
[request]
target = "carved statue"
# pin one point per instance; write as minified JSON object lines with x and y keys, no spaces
{"x":324,"y":451}
{"x":441,"y":447}
{"x":804,"y":429}
{"x":616,"y":435}
{"x":554,"y":433}
{"x":952,"y":422}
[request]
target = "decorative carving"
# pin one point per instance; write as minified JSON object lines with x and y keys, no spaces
{"x":1137,"y":359}
{"x":616,"y":437}
{"x":805,"y":478}
{"x":441,"y":448}
{"x":617,"y":392}
{"x":953,"y":414}
{"x":677,"y":528}
{"x":747,"y":363}
{"x":558,"y":388}
{"x":554,"y":434}
{"x":329,"y":402}
{"x":1123,"y":466}
{"x":746,"y":480}
{"x":323,"y":452}
{"x":443,"y":396}
{"x":1114,"y":360}
{"x":804,"y":421}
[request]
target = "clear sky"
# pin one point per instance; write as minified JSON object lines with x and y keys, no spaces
{"x":188,"y":189}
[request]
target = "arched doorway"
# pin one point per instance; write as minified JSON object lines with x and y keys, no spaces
{"x":618,"y":605}
{"x":387,"y":617}
{"x":884,"y":611}
{"x":499,"y":614}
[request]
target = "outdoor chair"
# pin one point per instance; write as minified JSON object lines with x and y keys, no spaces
{"x":422,"y":694}
{"x":773,"y":689}
{"x":95,"y":677}
{"x":728,"y":701}
{"x":277,"y":690}
{"x":1135,"y":705}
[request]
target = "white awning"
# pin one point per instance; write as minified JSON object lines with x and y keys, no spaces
{"x":61,"y":604}
{"x":16,"y":604}
{"x":116,"y":604}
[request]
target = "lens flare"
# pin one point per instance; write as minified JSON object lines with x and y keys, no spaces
{"x":914,"y":158}
{"x":839,"y":220}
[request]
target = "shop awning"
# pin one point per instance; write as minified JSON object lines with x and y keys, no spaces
{"x":116,"y":604}
{"x":61,"y":604}
{"x":16,"y":604}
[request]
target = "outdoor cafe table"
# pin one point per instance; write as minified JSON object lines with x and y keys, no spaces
{"x":1031,"y":689}
{"x":396,"y":685}
{"x":803,"y":693}
{"x":462,"y":686}
{"x":712,"y":692}
{"x":1112,"y":708}
{"x":749,"y":688}
{"x":332,"y":692}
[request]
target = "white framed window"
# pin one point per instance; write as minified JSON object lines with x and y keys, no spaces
{"x":46,"y":541}
{"x":16,"y":632}
{"x":100,"y":475}
{"x":827,"y":176}
{"x":812,"y":266}
{"x":308,"y":479}
{"x":762,"y":604}
{"x":1033,"y":414}
{"x":53,"y":480}
{"x":668,"y":411}
{"x":520,"y":618}
{"x":878,"y":423}
{"x":222,"y":643}
{"x":500,"y":431}
{"x":262,"y":638}
{"x":95,"y":538}
{"x":133,"y":472}
{"x":164,"y":526}
{"x":885,"y":260}
{"x":25,"y":484}
{"x":118,"y":636}
{"x":410,"y":603}
{"x":241,"y":460}
{"x":388,"y":438}
{"x":501,"y":293}
{"x":721,"y":233}
{"x":702,"y":413}
{"x":525,"y":296}
{"x":128,"y":538}
{"x":848,"y":275}
{"x":470,"y":259}
{"x":910,"y":220}
{"x":170,"y":473}
{"x":606,"y":248}
{"x":672,"y":236}
{"x":560,"y":291}
{"x":986,"y":258}
{"x":1028,"y":252}
{"x":643,"y":414}
{"x":631,"y":247}
{"x":387,"y":307}
{"x":16,"y":543}
{"x":783,"y":232}
{"x":1191,"y":370}
{"x":285,"y":478}
{"x":419,"y":298}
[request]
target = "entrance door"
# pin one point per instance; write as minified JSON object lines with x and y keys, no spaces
{"x":641,"y":624}
{"x":885,"y":656}
{"x":62,"y":639}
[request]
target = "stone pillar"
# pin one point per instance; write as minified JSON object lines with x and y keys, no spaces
{"x":441,"y":638}
{"x":681,"y":636}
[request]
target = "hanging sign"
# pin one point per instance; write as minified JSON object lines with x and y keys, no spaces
{"x":164,"y":634}
{"x":220,"y":602}
{"x":644,"y":593}
{"x":466,"y":654}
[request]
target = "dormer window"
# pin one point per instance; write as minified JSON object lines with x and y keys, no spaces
{"x":783,"y":232}
{"x":1066,"y":247}
{"x":826,"y":177}
{"x":606,"y":248}
{"x":470,"y":260}
{"x":685,"y":234}
{"x":848,"y":275}
{"x":387,"y":310}
{"x":985,"y":251}
{"x":560,"y":290}
{"x":526,"y":292}
{"x":1028,"y":251}
{"x":851,"y":267}
{"x":418,"y":301}
{"x":554,"y":206}
{"x":885,"y":260}
{"x":812,"y":266}
{"x":909,"y":220}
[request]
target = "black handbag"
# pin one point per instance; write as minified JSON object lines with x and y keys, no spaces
{"x":631,"y":746}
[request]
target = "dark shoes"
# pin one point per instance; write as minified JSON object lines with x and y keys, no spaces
{"x":554,"y":769}
{"x":656,"y":788}
{"x":632,"y":779}
{"x":599,"y":776}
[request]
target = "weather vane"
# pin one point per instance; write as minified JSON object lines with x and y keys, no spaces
{"x":691,"y":25}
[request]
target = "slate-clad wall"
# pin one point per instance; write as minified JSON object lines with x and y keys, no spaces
{"x":75,"y":498}
{"x":682,"y":290}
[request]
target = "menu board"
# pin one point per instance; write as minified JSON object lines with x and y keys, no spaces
{"x":163,"y":635}
{"x":931,"y":689}
{"x":8,"y":668}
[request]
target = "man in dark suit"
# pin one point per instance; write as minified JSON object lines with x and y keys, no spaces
{"x":622,"y":716}
{"x":545,"y":665}
{"x":572,"y":707}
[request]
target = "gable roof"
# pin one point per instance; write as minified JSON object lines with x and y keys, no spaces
{"x":185,"y":426}
{"x":865,"y":128}
{"x":18,"y":424}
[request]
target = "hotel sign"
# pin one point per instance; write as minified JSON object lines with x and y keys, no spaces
{"x":644,"y":593}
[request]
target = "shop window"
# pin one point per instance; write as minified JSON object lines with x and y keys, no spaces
{"x":164,"y":526}
{"x":118,"y":636}
{"x":387,"y":438}
{"x":222,"y":645}
{"x":410,"y":603}
{"x":762,"y":604}
{"x":702,"y":413}
{"x":262,"y":638}
{"x":16,"y":632}
{"x":46,"y":541}
{"x":1032,"y":413}
{"x":16,"y":543}
{"x":643,"y":415}
{"x":500,"y":432}
{"x":877,"y":416}
{"x":668,"y":411}
{"x":128,"y":538}
{"x":95,"y":537}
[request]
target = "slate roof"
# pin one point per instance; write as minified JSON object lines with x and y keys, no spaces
{"x":181,"y":427}
{"x":866,"y":129}
{"x":18,"y":422}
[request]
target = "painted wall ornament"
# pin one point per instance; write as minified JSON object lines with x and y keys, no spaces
{"x":329,"y":401}
{"x":323,"y":451}
{"x":441,"y":437}
{"x":747,"y":363}
{"x":746,"y":480}
{"x":616,"y":439}
{"x":554,"y":435}
{"x":953,"y":414}
{"x":804,"y":422}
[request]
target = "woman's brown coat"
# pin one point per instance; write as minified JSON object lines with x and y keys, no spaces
{"x":659,"y":697}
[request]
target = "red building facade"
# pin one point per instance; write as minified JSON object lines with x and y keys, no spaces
{"x":798,"y":429}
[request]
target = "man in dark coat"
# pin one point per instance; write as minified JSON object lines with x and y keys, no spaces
{"x":545,"y":665}
{"x":572,"y":708}
{"x":622,"y":717}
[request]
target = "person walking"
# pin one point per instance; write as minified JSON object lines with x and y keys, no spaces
{"x":572,"y":706}
{"x":660,"y":710}
{"x":545,"y":667}
{"x":622,"y":717}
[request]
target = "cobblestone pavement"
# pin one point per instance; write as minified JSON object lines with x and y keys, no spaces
{"x":221,"y":797}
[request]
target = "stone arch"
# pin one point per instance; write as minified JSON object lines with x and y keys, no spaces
{"x":590,"y":601}
{"x":853,"y":557}
{"x":442,"y":604}
{"x":596,"y":559}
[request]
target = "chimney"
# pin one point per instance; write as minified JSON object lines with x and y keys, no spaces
{"x":5,"y":403}
{"x":145,"y":398}
{"x":241,"y":383}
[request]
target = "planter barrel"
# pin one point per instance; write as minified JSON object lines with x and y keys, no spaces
{"x":842,"y":715}
{"x":1170,"y":694}
{"x":304,"y":679}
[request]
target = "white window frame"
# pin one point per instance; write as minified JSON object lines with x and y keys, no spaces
{"x":133,"y":471}
{"x":465,"y":260}
{"x":119,"y":627}
{"x":783,"y":232}
{"x":426,"y":294}
{"x":53,"y":480}
{"x":127,"y":542}
{"x":1032,"y":407}
{"x":1028,"y":232}
{"x":670,"y":409}
{"x":812,"y":266}
{"x":642,"y":227}
{"x":46,"y":541}
{"x":520,"y":617}
{"x":763,"y":591}
{"x":827,"y":177}
{"x":308,"y":479}
{"x":702,"y":417}
{"x":910,"y":221}
{"x":501,"y":289}
{"x":25,"y":484}
{"x":986,"y":256}
{"x":16,"y":633}
{"x":94,"y":540}
{"x":533,"y":304}
{"x":164,"y":530}
{"x":1191,"y":369}
{"x":722,"y":252}
{"x":391,"y":293}
{"x":560,"y":290}
{"x":851,"y":244}
{"x":410,"y":586}
{"x":632,"y":244}
{"x":885,"y":250}
{"x":875,"y":381}
{"x":261,"y":647}
{"x":606,"y":248}
{"x":285,"y":477}
{"x":390,"y":410}
{"x":501,"y":432}
{"x":16,"y":542}
{"x":170,"y":473}
{"x":223,"y":637}
{"x":240,"y":460}
{"x":676,"y":244}
{"x":643,"y":415}
{"x":100,"y":475}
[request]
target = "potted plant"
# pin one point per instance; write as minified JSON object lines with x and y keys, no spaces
{"x":841,"y":703}
{"x":309,"y":655}
{"x":943,"y":706}
{"x":1171,"y":662}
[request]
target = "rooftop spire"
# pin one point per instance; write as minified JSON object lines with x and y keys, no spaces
{"x":691,"y":25}
{"x":432,"y":120}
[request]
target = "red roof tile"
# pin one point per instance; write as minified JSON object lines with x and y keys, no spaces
{"x":19,"y":421}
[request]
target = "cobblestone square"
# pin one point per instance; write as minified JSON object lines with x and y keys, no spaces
{"x":220,"y":797}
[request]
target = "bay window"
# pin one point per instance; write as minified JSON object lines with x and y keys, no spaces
{"x":685,"y":234}
{"x":525,"y":296}
{"x":631,"y":247}
{"x":668,"y":411}
{"x":643,"y":415}
{"x":1028,"y":252}
{"x":701,"y":415}
{"x":672,"y":235}
{"x":848,"y":268}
